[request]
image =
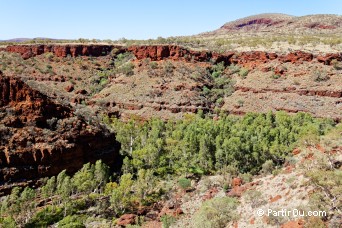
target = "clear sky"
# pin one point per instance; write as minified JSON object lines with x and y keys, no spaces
{"x":111,"y":19}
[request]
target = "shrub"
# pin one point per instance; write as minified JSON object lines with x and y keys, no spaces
{"x":254,"y":198}
{"x":216,"y":212}
{"x":7,"y":222}
{"x":320,"y":76}
{"x":234,"y":68}
{"x":168,"y":68}
{"x":103,"y":81}
{"x":72,"y":221}
{"x":49,"y":56}
{"x":123,"y":65}
{"x":267,"y":167}
{"x":127,"y":69}
{"x":153,"y":65}
{"x":336,"y":64}
{"x":46,"y":216}
{"x":184,"y":183}
{"x":167,"y":220}
{"x":218,"y":70}
{"x":226,"y":187}
{"x":246,"y":177}
{"x":275,"y":76}
{"x":219,"y":101}
{"x":243,"y":72}
{"x":240,"y":103}
{"x":114,"y":52}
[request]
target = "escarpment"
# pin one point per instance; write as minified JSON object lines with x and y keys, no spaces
{"x":172,"y":52}
{"x":28,"y":51}
{"x":40,"y":138}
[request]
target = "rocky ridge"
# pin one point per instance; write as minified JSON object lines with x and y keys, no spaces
{"x":282,"y":22}
{"x":173,"y":52}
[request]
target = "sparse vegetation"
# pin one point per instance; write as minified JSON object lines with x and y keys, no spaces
{"x":320,"y":76}
{"x":254,"y":198}
{"x":217,"y":212}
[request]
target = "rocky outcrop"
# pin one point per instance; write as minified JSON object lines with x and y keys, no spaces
{"x":328,"y":58}
{"x":296,"y":57}
{"x":156,"y":53}
{"x":126,"y":219}
{"x":28,"y":51}
{"x":160,"y":52}
{"x":39,"y":137}
{"x":172,"y":52}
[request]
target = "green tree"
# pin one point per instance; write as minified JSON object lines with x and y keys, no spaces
{"x":49,"y":188}
{"x":83,"y":180}
{"x":144,"y":184}
{"x":122,"y":197}
{"x":101,"y":175}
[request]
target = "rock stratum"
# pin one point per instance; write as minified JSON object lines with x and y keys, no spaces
{"x":40,"y":138}
{"x":172,"y":52}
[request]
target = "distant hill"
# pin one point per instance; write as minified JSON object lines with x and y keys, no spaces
{"x":20,"y":40}
{"x":282,"y":23}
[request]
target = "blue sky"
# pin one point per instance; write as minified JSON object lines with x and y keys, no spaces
{"x":111,"y":19}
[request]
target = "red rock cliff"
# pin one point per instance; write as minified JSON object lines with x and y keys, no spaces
{"x":28,"y":51}
{"x":40,"y":138}
{"x":173,"y":52}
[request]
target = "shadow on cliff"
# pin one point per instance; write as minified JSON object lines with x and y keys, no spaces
{"x":40,"y":138}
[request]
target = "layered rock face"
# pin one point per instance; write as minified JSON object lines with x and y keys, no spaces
{"x":40,"y":138}
{"x":28,"y":51}
{"x":173,"y":52}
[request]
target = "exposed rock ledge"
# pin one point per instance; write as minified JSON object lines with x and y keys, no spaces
{"x":174,"y":52}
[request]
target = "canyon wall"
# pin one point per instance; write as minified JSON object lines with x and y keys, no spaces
{"x":173,"y":52}
{"x":40,"y":138}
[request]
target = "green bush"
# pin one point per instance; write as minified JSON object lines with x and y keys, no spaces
{"x":7,"y":222}
{"x":72,"y":221}
{"x":184,"y":183}
{"x":275,"y":76}
{"x":234,"y":68}
{"x":246,"y":177}
{"x":243,"y":72}
{"x":127,"y":69}
{"x":47,"y":216}
{"x":216,"y":213}
{"x":123,"y":65}
{"x":167,"y":220}
{"x":267,"y":167}
{"x":154,"y":65}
